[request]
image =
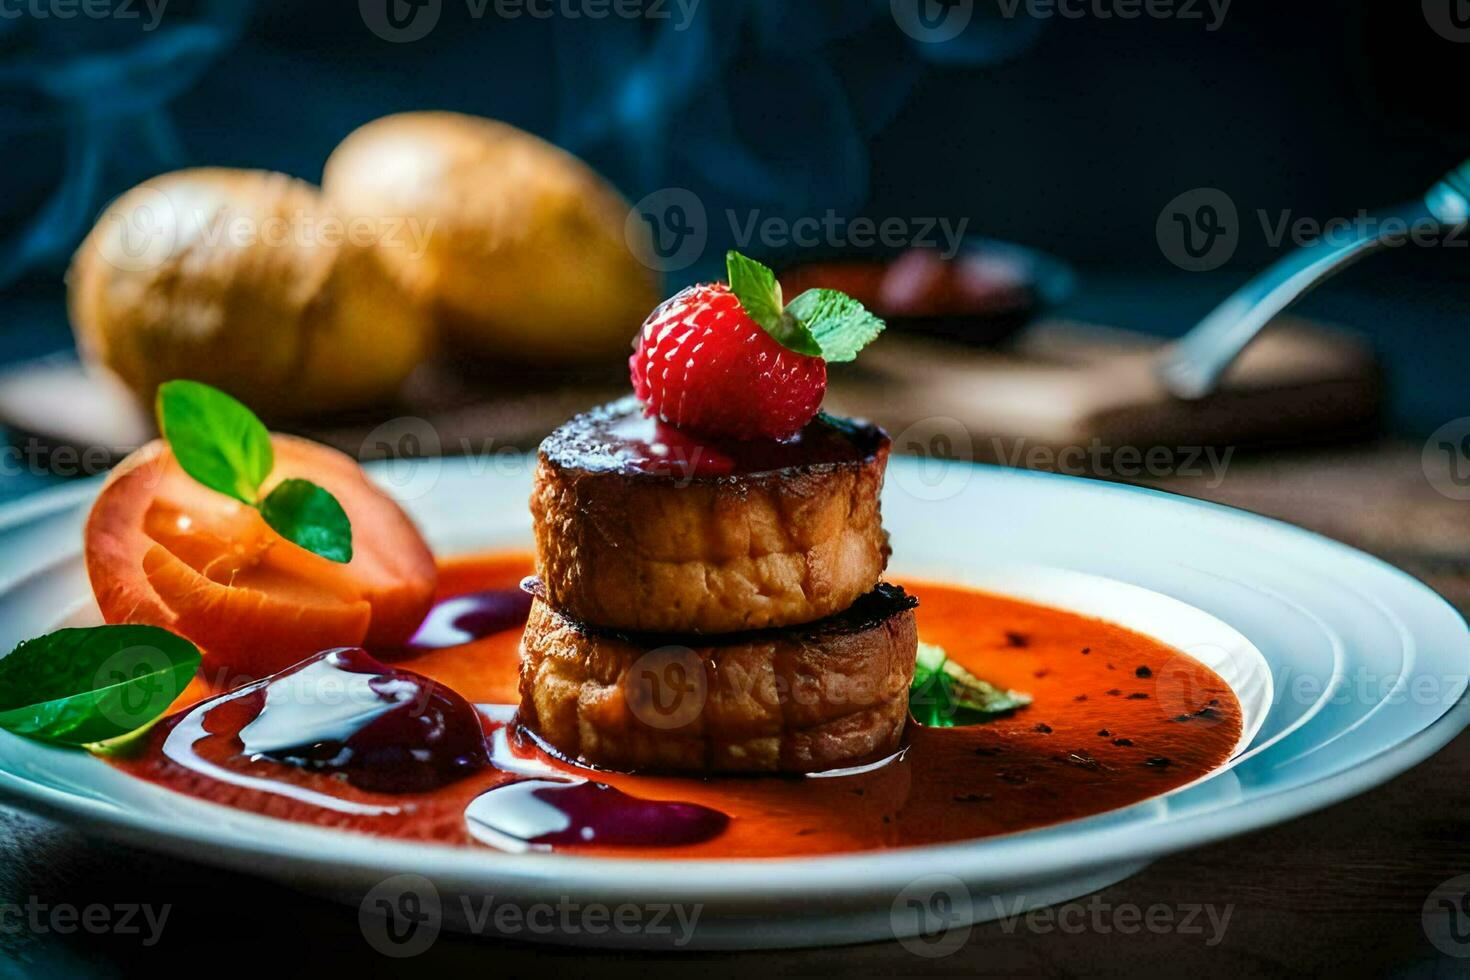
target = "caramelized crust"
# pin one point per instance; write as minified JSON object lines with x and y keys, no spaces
{"x":719,"y":545}
{"x":801,"y":699}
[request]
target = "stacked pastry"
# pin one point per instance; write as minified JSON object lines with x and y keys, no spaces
{"x":714,"y":605}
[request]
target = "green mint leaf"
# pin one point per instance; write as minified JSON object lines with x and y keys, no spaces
{"x":946,"y":695}
{"x":819,"y":323}
{"x":755,"y":286}
{"x":839,"y":324}
{"x":79,"y":686}
{"x":217,"y":440}
{"x":305,"y":514}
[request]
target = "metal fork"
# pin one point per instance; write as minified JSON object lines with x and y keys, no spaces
{"x":1191,"y":366}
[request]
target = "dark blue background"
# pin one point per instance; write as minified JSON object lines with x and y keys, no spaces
{"x":1065,"y":134}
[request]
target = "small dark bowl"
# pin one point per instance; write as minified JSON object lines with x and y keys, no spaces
{"x":983,"y":295}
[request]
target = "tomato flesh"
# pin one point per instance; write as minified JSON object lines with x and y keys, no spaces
{"x":162,"y":549}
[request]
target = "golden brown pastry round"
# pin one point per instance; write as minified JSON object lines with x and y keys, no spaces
{"x":248,"y":281}
{"x":643,"y":527}
{"x":802,"y":699}
{"x":526,"y":253}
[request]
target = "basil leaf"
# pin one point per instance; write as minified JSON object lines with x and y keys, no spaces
{"x":88,"y":685}
{"x":305,"y":514}
{"x":217,"y":440}
{"x":220,"y":443}
{"x":840,"y":325}
{"x":123,"y":746}
{"x":946,"y":695}
{"x":755,"y":286}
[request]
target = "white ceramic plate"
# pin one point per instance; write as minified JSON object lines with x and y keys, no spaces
{"x":1349,"y":671}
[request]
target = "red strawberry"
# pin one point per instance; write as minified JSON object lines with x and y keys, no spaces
{"x":702,"y":363}
{"x":736,"y":361}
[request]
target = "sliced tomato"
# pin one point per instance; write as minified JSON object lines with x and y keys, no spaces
{"x":162,"y":549}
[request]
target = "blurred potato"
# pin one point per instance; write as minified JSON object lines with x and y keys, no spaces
{"x":249,"y":281}
{"x":526,"y":256}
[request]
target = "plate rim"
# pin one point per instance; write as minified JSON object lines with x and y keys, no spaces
{"x":747,"y":880}
{"x":758,"y":879}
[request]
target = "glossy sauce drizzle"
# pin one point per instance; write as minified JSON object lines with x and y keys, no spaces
{"x":1117,"y":718}
{"x":618,"y":438}
{"x":342,"y":714}
{"x":543,"y":814}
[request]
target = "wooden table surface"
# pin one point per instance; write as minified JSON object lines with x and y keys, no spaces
{"x":1340,"y":890}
